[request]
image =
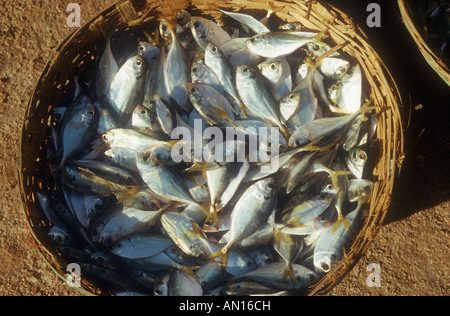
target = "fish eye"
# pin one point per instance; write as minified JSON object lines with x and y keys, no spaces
{"x":141,"y":47}
{"x":214,"y":49}
{"x":273,"y":66}
{"x":245,"y":70}
{"x":196,"y":25}
{"x":292,"y":96}
{"x":194,"y":90}
{"x":145,"y":158}
{"x":143,"y":112}
{"x":164,"y":27}
{"x":195,"y":70}
{"x":105,"y":138}
{"x":139,"y":63}
{"x":316,"y":47}
{"x":362,"y":156}
{"x":91,"y":112}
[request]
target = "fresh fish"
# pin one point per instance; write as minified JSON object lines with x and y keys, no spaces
{"x":163,"y":181}
{"x":127,"y":221}
{"x":149,"y":52}
{"x":78,"y":132}
{"x":206,"y":31}
{"x":270,"y":275}
{"x":144,"y":118}
{"x":221,"y":65}
{"x":278,"y":72}
{"x":141,"y":246}
{"x":350,"y":92}
{"x":200,"y":73}
{"x":257,"y":97}
{"x":184,"y":284}
{"x":105,"y":170}
{"x":124,"y":157}
{"x":355,"y":161}
{"x":251,"y":211}
{"x":359,"y":190}
{"x":107,"y":70}
{"x":212,"y":106}
{"x":162,"y":284}
{"x":177,"y":70}
{"x":289,"y":105}
{"x":248,"y":21}
{"x":127,"y":88}
{"x":139,"y":141}
{"x":331,"y":245}
{"x":210,"y":274}
{"x":334,"y":68}
{"x":164,"y":115}
{"x":275,"y":44}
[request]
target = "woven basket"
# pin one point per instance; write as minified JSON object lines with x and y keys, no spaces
{"x":413,"y":23}
{"x":79,"y":49}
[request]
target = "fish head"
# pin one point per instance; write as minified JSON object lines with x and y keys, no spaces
{"x":148,"y":50}
{"x":324,"y":261}
{"x":267,"y":187}
{"x":198,"y":70}
{"x":272,"y":68}
{"x":89,"y":114}
{"x":59,"y":236}
{"x":299,"y":139}
{"x":245,"y":73}
{"x":183,"y":17}
{"x":213,"y":52}
{"x":161,"y":154}
{"x":195,"y":91}
{"x":359,"y":189}
{"x":143,"y":115}
{"x":135,"y":66}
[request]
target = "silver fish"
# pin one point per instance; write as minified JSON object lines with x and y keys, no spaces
{"x":177,"y":70}
{"x":270,"y":275}
{"x":248,"y":21}
{"x":221,"y":65}
{"x":140,"y":246}
{"x":355,"y":161}
{"x":107,"y":70}
{"x":149,"y":51}
{"x":278,"y":72}
{"x":331,"y":245}
{"x":184,"y":284}
{"x":201,"y":73}
{"x":127,"y":88}
{"x":78,"y":132}
{"x":251,"y":211}
{"x":206,"y":31}
{"x":275,"y":44}
{"x":257,"y":97}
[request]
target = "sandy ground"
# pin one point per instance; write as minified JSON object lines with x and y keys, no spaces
{"x":412,"y":247}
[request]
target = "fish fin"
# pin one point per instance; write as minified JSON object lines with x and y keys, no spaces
{"x":271,"y":8}
{"x":340,"y":221}
{"x":212,"y":216}
{"x":293,"y":222}
{"x":289,"y":272}
{"x":124,"y":195}
{"x":197,"y":232}
{"x":189,"y":270}
{"x":221,"y":255}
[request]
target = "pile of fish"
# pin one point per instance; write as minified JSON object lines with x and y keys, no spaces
{"x":268,"y":211}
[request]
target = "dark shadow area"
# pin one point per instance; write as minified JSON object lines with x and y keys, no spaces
{"x":424,"y":180}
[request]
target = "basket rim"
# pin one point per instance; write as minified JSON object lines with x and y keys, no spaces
{"x":439,"y":67}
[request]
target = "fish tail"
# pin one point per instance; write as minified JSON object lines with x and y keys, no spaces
{"x":126,"y":194}
{"x":222,"y":254}
{"x":289,"y":272}
{"x":212,"y":216}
